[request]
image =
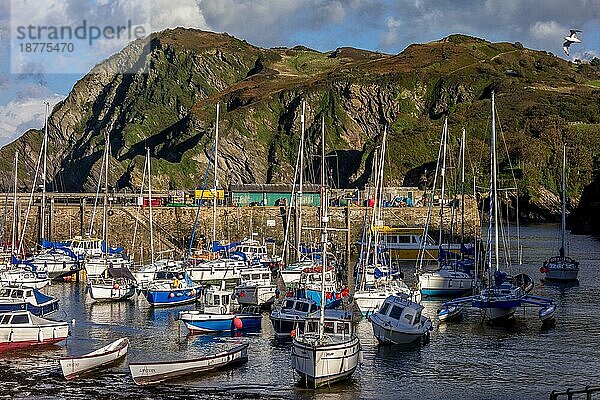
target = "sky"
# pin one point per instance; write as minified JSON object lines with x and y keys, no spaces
{"x":29,"y":77}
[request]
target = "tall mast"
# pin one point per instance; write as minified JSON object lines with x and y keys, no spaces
{"x":214,"y":238}
{"x":462,"y":186}
{"x":45,"y":151}
{"x":301,"y":181}
{"x":150,"y":204}
{"x":14,"y":222}
{"x":495,"y":182}
{"x":443,"y":175}
{"x":324,"y":221}
{"x":105,"y":207}
{"x":564,"y":201}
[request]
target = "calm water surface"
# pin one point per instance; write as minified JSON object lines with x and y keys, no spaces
{"x":466,"y":360}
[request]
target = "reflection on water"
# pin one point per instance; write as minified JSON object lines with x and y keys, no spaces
{"x":467,"y":359}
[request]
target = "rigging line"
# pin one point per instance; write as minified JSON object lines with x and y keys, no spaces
{"x":512,"y":172}
{"x":361,"y":261}
{"x":293,"y":200}
{"x":208,"y":164}
{"x":95,"y":209}
{"x":30,"y":203}
{"x":138,"y":209}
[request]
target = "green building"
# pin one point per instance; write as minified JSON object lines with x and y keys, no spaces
{"x":271,"y":194}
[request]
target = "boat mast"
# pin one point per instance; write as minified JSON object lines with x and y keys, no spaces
{"x":495,"y":182}
{"x":45,"y":151}
{"x":324,"y":222}
{"x":150,"y":204}
{"x":105,"y":208}
{"x":443,"y":175}
{"x":214,"y":236}
{"x":14,"y":222}
{"x":462,"y":186}
{"x":564,"y":201}
{"x":300,"y":183}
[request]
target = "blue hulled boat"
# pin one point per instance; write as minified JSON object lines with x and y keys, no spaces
{"x":172,"y":292}
{"x":13,"y":298}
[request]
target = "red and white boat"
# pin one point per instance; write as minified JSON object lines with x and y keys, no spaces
{"x":20,"y":329}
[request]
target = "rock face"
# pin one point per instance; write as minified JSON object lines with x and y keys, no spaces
{"x":167,"y":103}
{"x":584,"y":219}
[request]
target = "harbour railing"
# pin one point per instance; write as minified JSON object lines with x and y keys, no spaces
{"x":570,"y":394}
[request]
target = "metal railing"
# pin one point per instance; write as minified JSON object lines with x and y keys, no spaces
{"x":569,"y":393}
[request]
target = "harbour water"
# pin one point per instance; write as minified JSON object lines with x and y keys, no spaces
{"x":466,"y":359}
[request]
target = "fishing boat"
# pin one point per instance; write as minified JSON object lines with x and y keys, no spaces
{"x":501,"y":297}
{"x":328,"y":350}
{"x":20,"y":329}
{"x":178,"y":291}
{"x":14,"y":298}
{"x":400,"y":321}
{"x":155,"y":372}
{"x":256,"y":287}
{"x":561,"y":268}
{"x":370,"y":298}
{"x":313,"y":279}
{"x":290,"y":316}
{"x":74,"y":367}
{"x":116,"y":284}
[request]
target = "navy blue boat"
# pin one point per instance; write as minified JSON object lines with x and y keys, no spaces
{"x":14,"y":298}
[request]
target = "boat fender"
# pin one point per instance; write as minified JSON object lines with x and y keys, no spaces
{"x":171,"y":295}
{"x":116,"y":286}
{"x":40,"y":335}
{"x":193,"y":292}
{"x":293,"y":333}
{"x":237,"y":323}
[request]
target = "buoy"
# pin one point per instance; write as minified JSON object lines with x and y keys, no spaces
{"x":171,"y":295}
{"x":237,"y":323}
{"x":116,"y":286}
{"x":293,"y":333}
{"x":242,"y":294}
{"x":328,"y":296}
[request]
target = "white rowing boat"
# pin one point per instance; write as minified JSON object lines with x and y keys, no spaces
{"x":73,"y":367}
{"x":154,"y":372}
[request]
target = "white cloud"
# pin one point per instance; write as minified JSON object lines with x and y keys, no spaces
{"x":547,"y":30}
{"x":18,"y":116}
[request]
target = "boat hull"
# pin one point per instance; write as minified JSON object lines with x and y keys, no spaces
{"x":173,"y":297}
{"x":315,"y":363}
{"x":433,"y":284}
{"x":261,"y":296}
{"x":73,"y":367}
{"x":102,"y":292}
{"x":561,"y":274}
{"x":387,"y":335}
{"x":13,"y":337}
{"x":283,"y":327}
{"x":498,"y":311}
{"x":148,"y":373}
{"x":212,"y":323}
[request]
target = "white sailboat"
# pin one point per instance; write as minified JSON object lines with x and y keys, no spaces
{"x":562,"y":268}
{"x":501,"y":298}
{"x":329,"y":349}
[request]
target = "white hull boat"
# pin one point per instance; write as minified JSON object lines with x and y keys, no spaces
{"x":73,"y":367}
{"x":445,"y":282}
{"x":24,"y":278}
{"x":561,"y":269}
{"x":19,"y":329}
{"x":399,"y":321}
{"x":154,"y":372}
{"x":217,"y":270}
{"x":110,"y":290}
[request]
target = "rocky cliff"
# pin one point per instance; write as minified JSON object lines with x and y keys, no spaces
{"x":167,"y":103}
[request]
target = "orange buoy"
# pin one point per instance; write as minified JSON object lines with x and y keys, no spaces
{"x":237,"y":323}
{"x":293,"y":333}
{"x":116,"y":286}
{"x":171,"y":295}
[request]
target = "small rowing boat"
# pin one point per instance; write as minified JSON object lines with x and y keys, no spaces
{"x":154,"y":372}
{"x":73,"y":367}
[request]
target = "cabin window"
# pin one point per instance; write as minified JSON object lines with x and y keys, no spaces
{"x":255,"y":276}
{"x":384,"y":308}
{"x":20,"y":319}
{"x":5,"y":319}
{"x":226,"y":299}
{"x":217,"y":300}
{"x":417,"y":318}
{"x":392,"y":239}
{"x":450,"y":283}
{"x":302,"y":307}
{"x":289,"y":304}
{"x":5,"y":293}
{"x":409,"y":318}
{"x":265,"y":276}
{"x":17,"y":294}
{"x":403,"y":239}
{"x":328,"y":327}
{"x":396,"y":312}
{"x":343,"y":328}
{"x":312,"y":327}
{"x":29,"y":293}
{"x":313,"y":308}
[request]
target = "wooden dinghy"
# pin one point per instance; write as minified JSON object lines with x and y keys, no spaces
{"x":154,"y":372}
{"x":73,"y":367}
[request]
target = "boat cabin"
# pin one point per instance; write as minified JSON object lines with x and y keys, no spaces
{"x":14,"y":294}
{"x":217,"y":302}
{"x":337,"y":322}
{"x":256,"y":276}
{"x":299,"y":306}
{"x":399,"y":238}
{"x":15,"y":318}
{"x":401,"y":309}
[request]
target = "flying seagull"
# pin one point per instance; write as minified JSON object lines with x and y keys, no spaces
{"x":569,"y":40}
